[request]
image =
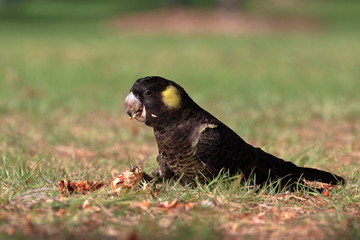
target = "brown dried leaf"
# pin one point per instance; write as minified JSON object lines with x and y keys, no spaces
{"x":9,"y":230}
{"x":326,"y":193}
{"x":154,"y":193}
{"x":175,"y":204}
{"x":143,"y":205}
{"x":164,"y":206}
{"x":189,"y":205}
{"x":286,"y":215}
{"x":80,"y":187}
{"x":60,"y":213}
{"x":168,"y":204}
{"x":126,"y":180}
{"x":86,"y":204}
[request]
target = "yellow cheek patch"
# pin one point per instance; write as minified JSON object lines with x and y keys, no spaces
{"x":171,"y":97}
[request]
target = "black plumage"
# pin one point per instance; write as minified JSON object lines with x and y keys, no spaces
{"x":195,"y":146}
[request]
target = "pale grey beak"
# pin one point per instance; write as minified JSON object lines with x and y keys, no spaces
{"x":134,"y":108}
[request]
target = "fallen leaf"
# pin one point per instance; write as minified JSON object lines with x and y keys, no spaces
{"x":207,"y":203}
{"x":175,"y":204}
{"x":189,"y":205}
{"x":86,"y":204}
{"x":60,"y":213}
{"x":10,"y":230}
{"x":326,"y":193}
{"x":67,"y":187}
{"x":154,"y":193}
{"x":285,"y":215}
{"x":321,"y":185}
{"x":168,"y":204}
{"x":143,"y":205}
{"x":259,"y":218}
{"x":96,"y":208}
{"x":126,"y":180}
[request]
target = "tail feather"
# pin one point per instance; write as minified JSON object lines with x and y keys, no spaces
{"x":313,"y":174}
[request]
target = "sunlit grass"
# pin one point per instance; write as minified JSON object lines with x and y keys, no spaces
{"x":61,"y":116}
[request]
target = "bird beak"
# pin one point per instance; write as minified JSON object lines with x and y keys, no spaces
{"x":134,"y":108}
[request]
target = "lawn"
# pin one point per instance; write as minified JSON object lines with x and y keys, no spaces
{"x":63,"y":82}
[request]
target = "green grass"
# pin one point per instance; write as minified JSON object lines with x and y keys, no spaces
{"x":63,"y":79}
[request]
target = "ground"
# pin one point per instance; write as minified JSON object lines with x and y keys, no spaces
{"x":187,"y":21}
{"x":294,"y":94}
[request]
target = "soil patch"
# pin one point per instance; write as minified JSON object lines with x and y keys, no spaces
{"x":188,"y":21}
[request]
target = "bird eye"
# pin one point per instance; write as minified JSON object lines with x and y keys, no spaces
{"x":148,"y":93}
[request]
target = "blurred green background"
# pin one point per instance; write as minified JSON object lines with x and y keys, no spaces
{"x":64,"y":58}
{"x":60,"y":53}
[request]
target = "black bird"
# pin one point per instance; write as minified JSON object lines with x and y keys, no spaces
{"x":194,"y":146}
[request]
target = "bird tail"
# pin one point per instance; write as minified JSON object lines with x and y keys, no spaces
{"x":313,"y":174}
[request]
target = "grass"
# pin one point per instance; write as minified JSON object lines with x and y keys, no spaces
{"x":61,"y":116}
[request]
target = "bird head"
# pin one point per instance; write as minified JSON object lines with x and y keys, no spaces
{"x":156,"y":100}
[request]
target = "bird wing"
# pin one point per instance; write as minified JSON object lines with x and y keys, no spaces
{"x":206,"y":140}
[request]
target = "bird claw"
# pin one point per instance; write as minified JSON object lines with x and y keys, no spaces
{"x":146,"y":177}
{"x":156,"y":173}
